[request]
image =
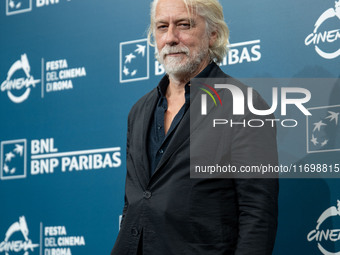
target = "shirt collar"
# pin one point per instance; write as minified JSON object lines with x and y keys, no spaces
{"x":163,"y":84}
{"x":206,"y":70}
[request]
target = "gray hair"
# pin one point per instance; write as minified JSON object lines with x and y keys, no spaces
{"x":212,"y":12}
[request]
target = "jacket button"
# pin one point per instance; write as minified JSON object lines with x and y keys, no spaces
{"x":134,"y":231}
{"x":147,"y":194}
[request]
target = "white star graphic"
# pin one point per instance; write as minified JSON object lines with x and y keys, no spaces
{"x":6,"y":168}
{"x":333,"y":116}
{"x":324,"y":143}
{"x":134,"y":73}
{"x":140,"y":49}
{"x":19,"y":149}
{"x":126,"y":71}
{"x":129,"y":57}
{"x":318,"y":125}
{"x":11,"y":4}
{"x":12,"y":171}
{"x":314,"y":140}
{"x":9,"y":156}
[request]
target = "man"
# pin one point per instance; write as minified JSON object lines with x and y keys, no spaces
{"x":166,"y":211}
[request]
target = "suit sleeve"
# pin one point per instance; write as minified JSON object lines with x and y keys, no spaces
{"x":126,"y":203}
{"x":257,"y":197}
{"x":124,"y":211}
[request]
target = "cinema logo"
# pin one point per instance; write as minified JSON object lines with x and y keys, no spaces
{"x":57,"y":241}
{"x":56,"y":76}
{"x":326,"y":37}
{"x":17,"y":239}
{"x":54,"y":240}
{"x":17,"y":86}
{"x":239,"y":106}
{"x":319,"y":235}
{"x":59,"y":75}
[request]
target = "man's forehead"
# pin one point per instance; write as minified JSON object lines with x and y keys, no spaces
{"x":178,"y":4}
{"x":175,"y":19}
{"x":174,"y":9}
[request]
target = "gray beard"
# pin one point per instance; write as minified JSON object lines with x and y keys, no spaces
{"x":173,"y":66}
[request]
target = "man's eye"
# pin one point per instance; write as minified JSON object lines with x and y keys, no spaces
{"x":162,"y":27}
{"x":185,"y":25}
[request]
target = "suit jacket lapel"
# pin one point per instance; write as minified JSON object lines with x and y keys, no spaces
{"x":148,"y":112}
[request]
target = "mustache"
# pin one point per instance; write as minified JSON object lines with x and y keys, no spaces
{"x":174,"y":49}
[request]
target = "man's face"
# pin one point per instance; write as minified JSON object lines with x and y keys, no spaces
{"x":182,"y":40}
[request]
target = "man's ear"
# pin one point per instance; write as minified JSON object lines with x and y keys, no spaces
{"x":213,"y":38}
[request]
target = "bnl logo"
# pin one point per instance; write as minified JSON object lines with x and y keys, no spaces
{"x":18,"y":6}
{"x":323,"y":129}
{"x":134,"y":61}
{"x":13,"y":159}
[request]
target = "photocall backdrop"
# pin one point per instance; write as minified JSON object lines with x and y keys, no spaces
{"x":70,"y":71}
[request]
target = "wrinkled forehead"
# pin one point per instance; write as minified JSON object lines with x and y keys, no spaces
{"x":174,"y":9}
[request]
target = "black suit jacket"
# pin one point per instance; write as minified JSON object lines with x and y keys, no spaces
{"x":173,"y":214}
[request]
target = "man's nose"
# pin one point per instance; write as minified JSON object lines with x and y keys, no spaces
{"x":172,"y":36}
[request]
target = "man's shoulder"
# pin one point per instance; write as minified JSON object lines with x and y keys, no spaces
{"x":219,"y":75}
{"x":241,"y":84}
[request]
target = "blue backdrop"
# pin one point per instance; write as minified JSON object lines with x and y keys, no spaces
{"x":70,"y":71}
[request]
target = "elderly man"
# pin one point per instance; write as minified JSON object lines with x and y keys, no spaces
{"x":166,"y":211}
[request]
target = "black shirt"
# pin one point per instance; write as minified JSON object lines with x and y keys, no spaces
{"x":157,"y":140}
